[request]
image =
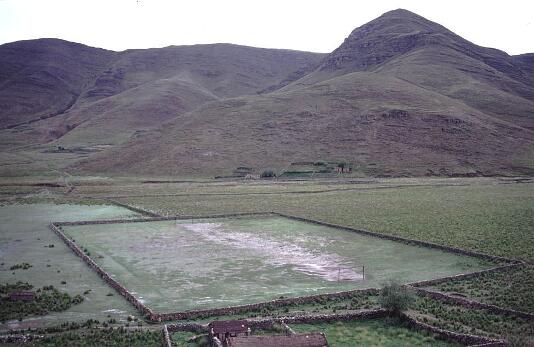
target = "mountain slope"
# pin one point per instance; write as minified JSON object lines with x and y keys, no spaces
{"x":41,"y":78}
{"x":401,"y":96}
{"x":385,"y":126}
{"x":127,"y":91}
{"x":402,"y":44}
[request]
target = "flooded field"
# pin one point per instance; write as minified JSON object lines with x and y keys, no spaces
{"x":190,"y":264}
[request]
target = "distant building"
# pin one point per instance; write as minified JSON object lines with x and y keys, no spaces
{"x":225,"y":329}
{"x":22,"y":296}
{"x":296,"y":340}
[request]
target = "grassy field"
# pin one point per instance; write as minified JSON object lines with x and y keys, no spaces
{"x":492,"y":215}
{"x":182,"y":265}
{"x":492,"y":218}
{"x":510,"y":289}
{"x":370,"y":333}
{"x":472,"y":321}
{"x":26,"y":238}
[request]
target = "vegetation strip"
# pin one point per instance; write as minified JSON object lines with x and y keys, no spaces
{"x":471,"y":303}
{"x":275,"y":193}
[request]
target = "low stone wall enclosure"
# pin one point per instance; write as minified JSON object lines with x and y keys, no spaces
{"x":159,"y":317}
{"x":464,"y":339}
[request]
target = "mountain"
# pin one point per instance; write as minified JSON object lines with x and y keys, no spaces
{"x":78,"y":89}
{"x":401,"y":96}
{"x":42,"y":78}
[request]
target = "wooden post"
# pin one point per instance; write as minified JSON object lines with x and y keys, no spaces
{"x":338,"y":273}
{"x":363,"y":271}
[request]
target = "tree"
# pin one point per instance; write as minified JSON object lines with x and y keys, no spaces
{"x":268,"y":174}
{"x":395,"y":297}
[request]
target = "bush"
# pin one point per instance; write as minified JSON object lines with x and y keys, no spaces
{"x":268,"y":174}
{"x":395,"y":297}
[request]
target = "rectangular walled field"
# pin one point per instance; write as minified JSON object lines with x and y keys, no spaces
{"x":208,"y":263}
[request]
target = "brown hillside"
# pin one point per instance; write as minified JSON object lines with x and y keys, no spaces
{"x":401,"y":96}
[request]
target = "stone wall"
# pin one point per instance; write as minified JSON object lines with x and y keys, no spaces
{"x":134,"y":209}
{"x":426,"y":283}
{"x":229,"y":310}
{"x":166,"y":337}
{"x":464,"y":339}
{"x":157,"y":219}
{"x":318,"y":318}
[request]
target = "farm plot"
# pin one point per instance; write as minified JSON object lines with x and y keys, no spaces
{"x":510,"y":289}
{"x":374,"y":332}
{"x":30,"y":252}
{"x":209,"y":263}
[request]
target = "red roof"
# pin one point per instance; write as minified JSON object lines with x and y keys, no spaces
{"x":229,"y":326}
{"x":297,"y":340}
{"x":22,"y":296}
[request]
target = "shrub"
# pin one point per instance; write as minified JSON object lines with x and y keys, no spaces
{"x":268,"y":174}
{"x":395,"y":297}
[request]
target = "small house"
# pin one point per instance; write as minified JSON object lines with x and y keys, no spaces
{"x":223,"y":330}
{"x":22,"y":296}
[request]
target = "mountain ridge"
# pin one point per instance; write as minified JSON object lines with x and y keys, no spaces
{"x":401,"y":96}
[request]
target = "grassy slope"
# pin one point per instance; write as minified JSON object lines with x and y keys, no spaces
{"x":348,"y":118}
{"x":469,"y":110}
{"x":139,"y":89}
{"x":41,"y":77}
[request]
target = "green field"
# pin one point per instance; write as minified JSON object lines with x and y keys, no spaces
{"x":481,"y":215}
{"x":26,"y":238}
{"x":509,"y":289}
{"x":189,"y":264}
{"x":492,"y":215}
{"x":371,"y":333}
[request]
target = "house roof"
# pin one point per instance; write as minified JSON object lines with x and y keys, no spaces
{"x":230,"y":326}
{"x":22,"y":295}
{"x":297,"y":340}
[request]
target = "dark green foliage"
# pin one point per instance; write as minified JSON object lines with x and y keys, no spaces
{"x":395,"y":297}
{"x":48,"y":299}
{"x":268,"y":174}
{"x":19,"y":286}
{"x":103,"y":337}
{"x":23,"y":266}
{"x":520,"y":340}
